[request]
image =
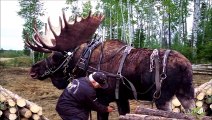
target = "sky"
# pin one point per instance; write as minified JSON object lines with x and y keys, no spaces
{"x":12,"y":24}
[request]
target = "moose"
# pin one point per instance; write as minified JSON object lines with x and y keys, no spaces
{"x":133,"y":73}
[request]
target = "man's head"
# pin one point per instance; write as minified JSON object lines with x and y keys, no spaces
{"x":98,"y":79}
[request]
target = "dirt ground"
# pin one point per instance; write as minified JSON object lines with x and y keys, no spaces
{"x":45,"y":94}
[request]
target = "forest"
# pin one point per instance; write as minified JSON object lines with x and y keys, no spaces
{"x":182,"y":25}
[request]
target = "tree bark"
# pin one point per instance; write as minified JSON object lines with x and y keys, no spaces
{"x":166,"y":114}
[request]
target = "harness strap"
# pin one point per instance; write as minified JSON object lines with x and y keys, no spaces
{"x":85,"y":58}
{"x":165,"y":57}
{"x":157,"y":76}
{"x":119,"y":75}
{"x":133,"y":89}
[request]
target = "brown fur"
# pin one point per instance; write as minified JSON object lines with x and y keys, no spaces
{"x":136,"y":69}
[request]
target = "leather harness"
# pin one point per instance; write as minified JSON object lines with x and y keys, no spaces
{"x":154,"y":58}
{"x":83,"y":64}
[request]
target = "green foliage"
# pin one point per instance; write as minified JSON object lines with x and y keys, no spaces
{"x":163,"y":24}
{"x":198,"y":112}
{"x":31,"y":11}
{"x":204,"y":40}
{"x":17,"y":62}
{"x":3,"y":106}
{"x":11,"y":53}
{"x":139,"y":39}
{"x":86,"y":8}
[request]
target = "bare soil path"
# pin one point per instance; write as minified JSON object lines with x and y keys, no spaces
{"x":45,"y":94}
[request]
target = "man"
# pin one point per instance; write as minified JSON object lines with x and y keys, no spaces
{"x":79,"y":98}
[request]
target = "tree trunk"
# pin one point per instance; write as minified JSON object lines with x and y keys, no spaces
{"x":166,"y":114}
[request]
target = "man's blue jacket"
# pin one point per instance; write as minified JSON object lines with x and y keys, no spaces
{"x":78,"y":99}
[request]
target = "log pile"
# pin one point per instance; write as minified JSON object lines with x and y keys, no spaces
{"x":152,"y":114}
{"x":203,"y":100}
{"x":13,"y":107}
{"x":202,"y":69}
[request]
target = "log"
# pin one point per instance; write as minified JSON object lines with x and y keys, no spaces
{"x":175,"y":102}
{"x":141,"y":117}
{"x":203,"y":86}
{"x":166,"y":114}
{"x":40,"y":112}
{"x":1,"y":113}
{"x":206,"y":118}
{"x":199,"y":103}
{"x":177,"y":110}
{"x":12,"y":110}
{"x":35,"y":117}
{"x":209,"y":91}
{"x":33,"y":107}
{"x":10,"y":116}
{"x":24,"y":119}
{"x":2,"y":97}
{"x":201,"y":96}
{"x":26,"y":113}
{"x":202,"y":69}
{"x":19,"y":101}
{"x":44,"y":118}
{"x":12,"y":104}
{"x":202,"y":72}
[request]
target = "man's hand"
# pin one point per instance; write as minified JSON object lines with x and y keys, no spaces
{"x":110,"y":109}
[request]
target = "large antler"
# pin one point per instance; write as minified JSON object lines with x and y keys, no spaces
{"x":35,"y":45}
{"x":71,"y":35}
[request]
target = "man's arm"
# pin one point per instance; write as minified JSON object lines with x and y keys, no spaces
{"x":93,"y":103}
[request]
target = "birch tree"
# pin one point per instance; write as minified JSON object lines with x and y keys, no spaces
{"x":31,"y":11}
{"x":196,"y":18}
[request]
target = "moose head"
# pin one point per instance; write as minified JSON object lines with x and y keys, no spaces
{"x":61,"y":47}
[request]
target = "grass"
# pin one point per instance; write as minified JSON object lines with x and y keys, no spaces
{"x":17,"y":62}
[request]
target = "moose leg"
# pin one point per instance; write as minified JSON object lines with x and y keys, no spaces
{"x":105,"y":100}
{"x":163,"y":105}
{"x":102,"y":116}
{"x":123,"y":106}
{"x":186,"y":98}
